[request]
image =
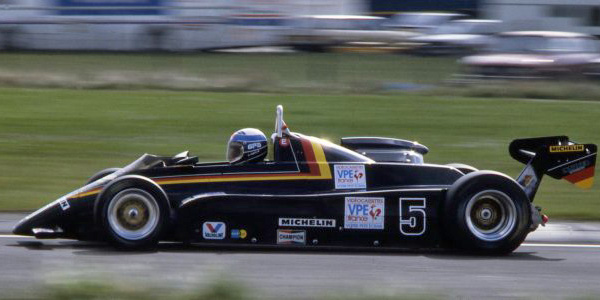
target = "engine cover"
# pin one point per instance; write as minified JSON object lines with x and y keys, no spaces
{"x":386,"y":149}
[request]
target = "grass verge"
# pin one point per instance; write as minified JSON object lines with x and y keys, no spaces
{"x":222,"y":289}
{"x":329,"y":72}
{"x":324,"y":73}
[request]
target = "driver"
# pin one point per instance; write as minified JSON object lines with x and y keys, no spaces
{"x":247,"y":145}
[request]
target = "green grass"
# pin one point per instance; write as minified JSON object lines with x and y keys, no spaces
{"x":51,"y":140}
{"x":216,"y":289}
{"x":255,"y":72}
{"x":105,"y":289}
{"x":330,"y":73}
{"x":290,"y":67}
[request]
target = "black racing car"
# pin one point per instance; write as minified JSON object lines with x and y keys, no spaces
{"x":368,"y":192}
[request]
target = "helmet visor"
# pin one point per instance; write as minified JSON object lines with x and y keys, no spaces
{"x":235,"y":151}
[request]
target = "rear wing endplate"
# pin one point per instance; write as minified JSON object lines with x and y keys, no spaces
{"x":555,"y":156}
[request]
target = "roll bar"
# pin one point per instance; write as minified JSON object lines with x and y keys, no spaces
{"x":279,"y":121}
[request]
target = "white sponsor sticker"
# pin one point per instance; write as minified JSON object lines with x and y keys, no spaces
{"x":364,"y":213}
{"x":528,"y":179}
{"x":213,"y":230}
{"x":350,"y":177}
{"x":291,"y":237}
{"x":64,"y":204}
{"x":298,"y":222}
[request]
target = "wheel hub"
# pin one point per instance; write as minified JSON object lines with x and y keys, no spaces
{"x":133,"y":214}
{"x":486,"y":214}
{"x":491,"y":215}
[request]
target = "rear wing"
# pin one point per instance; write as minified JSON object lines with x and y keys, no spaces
{"x":555,"y":156}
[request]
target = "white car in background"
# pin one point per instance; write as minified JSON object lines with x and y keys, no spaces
{"x":456,"y":37}
{"x":319,"y":33}
{"x":420,"y":22}
{"x":536,"y":55}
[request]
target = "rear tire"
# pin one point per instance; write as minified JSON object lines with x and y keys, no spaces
{"x":132,"y":213}
{"x":486,"y":212}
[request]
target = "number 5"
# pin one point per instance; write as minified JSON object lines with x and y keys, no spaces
{"x":413,"y":218}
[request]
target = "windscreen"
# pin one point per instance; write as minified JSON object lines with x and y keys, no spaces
{"x":144,"y":162}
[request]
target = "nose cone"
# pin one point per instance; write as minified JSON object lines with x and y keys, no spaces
{"x":43,"y":217}
{"x":23,"y":228}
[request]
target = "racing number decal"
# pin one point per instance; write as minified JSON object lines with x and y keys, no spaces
{"x":413,"y":216}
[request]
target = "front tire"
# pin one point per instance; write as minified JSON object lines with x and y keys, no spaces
{"x":486,"y":212}
{"x":132,"y":213}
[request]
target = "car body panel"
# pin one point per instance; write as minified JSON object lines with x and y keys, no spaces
{"x":261,"y":216}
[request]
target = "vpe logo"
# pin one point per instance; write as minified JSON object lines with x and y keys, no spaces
{"x":213,"y":230}
{"x":364,"y":213}
{"x":350,"y":177}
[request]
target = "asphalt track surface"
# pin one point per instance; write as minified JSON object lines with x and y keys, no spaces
{"x":559,"y":261}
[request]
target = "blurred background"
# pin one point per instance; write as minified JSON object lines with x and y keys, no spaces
{"x":403,"y":45}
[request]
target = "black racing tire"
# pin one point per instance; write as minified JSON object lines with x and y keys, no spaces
{"x":465,"y":169}
{"x":132,"y":212}
{"x":486,"y":212}
{"x":101,"y":174}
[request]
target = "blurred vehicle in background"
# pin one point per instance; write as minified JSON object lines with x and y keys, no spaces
{"x":456,"y":37}
{"x":581,"y":16}
{"x":231,"y":31}
{"x":81,"y":25}
{"x":389,"y":8}
{"x":147,"y":25}
{"x":192,"y":25}
{"x":420,"y":22}
{"x":143,"y":33}
{"x":536,"y":55}
{"x":318,"y":33}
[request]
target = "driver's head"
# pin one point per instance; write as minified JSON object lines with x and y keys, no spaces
{"x":247,"y":145}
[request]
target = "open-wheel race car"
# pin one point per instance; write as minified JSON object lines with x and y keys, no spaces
{"x":365,"y":193}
